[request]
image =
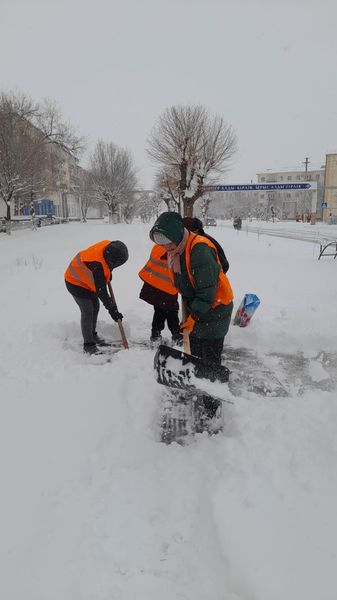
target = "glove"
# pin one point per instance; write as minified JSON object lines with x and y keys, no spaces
{"x":115,"y":315}
{"x":188,"y":324}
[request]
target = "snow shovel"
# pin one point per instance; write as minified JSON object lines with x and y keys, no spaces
{"x":186,"y":409}
{"x":119,"y":322}
{"x":178,"y":369}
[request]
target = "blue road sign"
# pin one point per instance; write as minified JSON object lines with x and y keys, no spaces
{"x":324,"y":205}
{"x":252,"y":187}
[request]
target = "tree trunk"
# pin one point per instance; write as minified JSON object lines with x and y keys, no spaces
{"x":188,"y":207}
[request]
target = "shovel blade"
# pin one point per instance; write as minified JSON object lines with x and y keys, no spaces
{"x":177,"y":369}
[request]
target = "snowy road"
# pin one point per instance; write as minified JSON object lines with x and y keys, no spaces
{"x":288,"y":229}
{"x":92,"y":507}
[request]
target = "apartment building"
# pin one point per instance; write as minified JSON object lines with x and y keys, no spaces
{"x":62,"y":182}
{"x":290,"y":203}
{"x":330,"y":189}
{"x":52,"y":180}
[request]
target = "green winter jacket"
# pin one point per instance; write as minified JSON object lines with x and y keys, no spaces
{"x":211,"y":323}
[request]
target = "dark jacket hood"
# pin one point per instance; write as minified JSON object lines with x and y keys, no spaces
{"x":171,"y":225}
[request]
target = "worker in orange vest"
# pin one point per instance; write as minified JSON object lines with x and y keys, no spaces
{"x":159,"y":290}
{"x":195,"y":270}
{"x":86,"y":279}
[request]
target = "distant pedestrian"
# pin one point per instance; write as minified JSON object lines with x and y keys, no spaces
{"x":32,"y":216}
{"x":237,"y":223}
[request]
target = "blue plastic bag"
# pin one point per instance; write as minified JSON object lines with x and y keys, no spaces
{"x":247,"y":308}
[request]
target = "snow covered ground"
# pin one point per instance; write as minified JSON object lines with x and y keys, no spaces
{"x":92,"y":507}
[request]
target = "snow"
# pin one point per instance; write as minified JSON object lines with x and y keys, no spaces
{"x":93,"y":507}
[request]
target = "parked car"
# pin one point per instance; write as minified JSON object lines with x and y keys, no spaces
{"x":210,"y":222}
{"x":48,"y":219}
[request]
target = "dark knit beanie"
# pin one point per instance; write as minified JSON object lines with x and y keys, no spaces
{"x":192,"y":224}
{"x":116,"y":254}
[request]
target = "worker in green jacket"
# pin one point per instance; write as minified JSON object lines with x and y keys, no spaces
{"x":205,"y":289}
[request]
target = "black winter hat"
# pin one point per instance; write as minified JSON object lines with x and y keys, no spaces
{"x":116,"y":254}
{"x":192,"y":224}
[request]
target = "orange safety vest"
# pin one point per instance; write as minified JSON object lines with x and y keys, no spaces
{"x":156,"y":271}
{"x":224,"y":293}
{"x":79,"y":274}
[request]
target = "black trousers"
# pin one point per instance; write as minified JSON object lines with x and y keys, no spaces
{"x":208,"y":349}
{"x":161,"y":316}
{"x":89,"y":308}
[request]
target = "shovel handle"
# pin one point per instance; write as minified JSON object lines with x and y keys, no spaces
{"x":186,"y":341}
{"x":119,"y":322}
{"x":186,"y":334}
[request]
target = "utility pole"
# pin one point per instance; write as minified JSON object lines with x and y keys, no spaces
{"x":313,"y":214}
{"x":306,"y":163}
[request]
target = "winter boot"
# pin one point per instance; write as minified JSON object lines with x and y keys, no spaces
{"x":155,"y":338}
{"x":177,"y":338}
{"x":211,"y":406}
{"x":100,"y":341}
{"x":90,"y":348}
{"x":208,"y":414}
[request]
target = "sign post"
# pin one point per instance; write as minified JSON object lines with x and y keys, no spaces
{"x":277,"y":186}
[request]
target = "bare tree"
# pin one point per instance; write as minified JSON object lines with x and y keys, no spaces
{"x":25,"y":131}
{"x":85,"y":192}
{"x":55,"y":130}
{"x":114,"y":176}
{"x":205,"y":204}
{"x":192,"y":147}
{"x":19,"y":149}
{"x":167,"y":186}
{"x":148,"y":205}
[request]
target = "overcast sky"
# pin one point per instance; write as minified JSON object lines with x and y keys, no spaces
{"x":267,"y":67}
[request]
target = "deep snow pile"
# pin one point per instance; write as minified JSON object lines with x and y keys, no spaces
{"x":93,"y":507}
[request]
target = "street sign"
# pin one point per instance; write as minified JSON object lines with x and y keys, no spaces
{"x":260,"y":187}
{"x":324,"y":205}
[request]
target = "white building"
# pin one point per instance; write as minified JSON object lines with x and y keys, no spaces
{"x":330,"y":189}
{"x":290,"y":203}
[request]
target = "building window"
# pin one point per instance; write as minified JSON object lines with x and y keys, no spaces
{"x":289,"y":177}
{"x":263,"y":179}
{"x":281,"y":178}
